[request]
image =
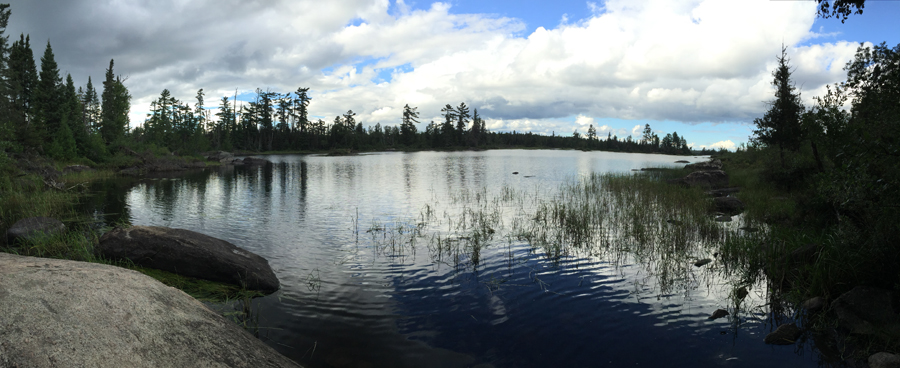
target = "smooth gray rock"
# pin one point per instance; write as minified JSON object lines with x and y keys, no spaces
{"x":33,"y":227}
{"x":884,"y":360}
{"x":785,"y":334}
{"x":189,"y":253}
{"x":867,"y":311}
{"x":59,"y":313}
{"x":729,"y":205}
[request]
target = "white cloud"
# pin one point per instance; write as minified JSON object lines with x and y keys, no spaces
{"x":691,"y":60}
{"x":727,"y":144}
{"x":584,"y":121}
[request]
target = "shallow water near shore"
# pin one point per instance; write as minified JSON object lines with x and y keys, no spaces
{"x":429,"y":259}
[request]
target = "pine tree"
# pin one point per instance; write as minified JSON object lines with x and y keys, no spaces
{"x":116,"y":104}
{"x":448,"y":134}
{"x":407,"y":125}
{"x":21,"y":81}
{"x":48,"y":102}
{"x":72,"y":115}
{"x":462,"y":122}
{"x":781,"y":125}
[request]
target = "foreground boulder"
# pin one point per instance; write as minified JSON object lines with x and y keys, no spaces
{"x":33,"y":227}
{"x":189,"y":253}
{"x":867,"y":311}
{"x":704,"y":179}
{"x":58,"y":313}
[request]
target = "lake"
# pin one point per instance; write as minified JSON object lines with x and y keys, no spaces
{"x":418,"y":260}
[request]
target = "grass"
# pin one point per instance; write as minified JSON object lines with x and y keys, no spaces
{"x":31,"y":195}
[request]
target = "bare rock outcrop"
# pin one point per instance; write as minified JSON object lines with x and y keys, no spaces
{"x":59,"y":313}
{"x":190,"y":254}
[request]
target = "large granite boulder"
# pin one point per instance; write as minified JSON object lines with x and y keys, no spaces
{"x":33,"y":227}
{"x":704,"y":179}
{"x":868,"y":310}
{"x":59,"y":313}
{"x":190,"y":254}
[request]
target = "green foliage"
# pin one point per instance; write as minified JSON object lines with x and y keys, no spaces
{"x":780,"y":126}
{"x":116,"y":104}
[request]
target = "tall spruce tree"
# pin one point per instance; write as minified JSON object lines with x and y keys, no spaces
{"x":781,"y":125}
{"x":462,"y":122}
{"x":21,"y":81}
{"x":408,"y":125}
{"x":116,"y":104}
{"x":48,"y":102}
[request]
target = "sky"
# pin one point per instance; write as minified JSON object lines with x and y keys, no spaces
{"x":702,"y":68}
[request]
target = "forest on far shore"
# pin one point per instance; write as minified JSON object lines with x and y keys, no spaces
{"x":45,"y":114}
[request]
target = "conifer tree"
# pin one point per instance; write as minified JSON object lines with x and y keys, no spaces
{"x":462,"y":122}
{"x":116,"y":104}
{"x":407,"y":125}
{"x":48,"y":102}
{"x":781,"y":125}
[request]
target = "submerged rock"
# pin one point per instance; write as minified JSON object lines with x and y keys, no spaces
{"x":682,"y":162}
{"x":59,"y":313}
{"x":719,"y":313}
{"x":741,"y":293}
{"x":34,"y":227}
{"x":723,"y":218}
{"x":702,"y":262}
{"x":867,"y":311}
{"x":785,"y":334}
{"x":189,"y":253}
{"x":729,"y":205}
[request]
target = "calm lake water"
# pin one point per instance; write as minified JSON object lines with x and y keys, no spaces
{"x":377,"y":266}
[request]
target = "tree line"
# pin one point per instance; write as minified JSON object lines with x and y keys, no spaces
{"x":43,"y":113}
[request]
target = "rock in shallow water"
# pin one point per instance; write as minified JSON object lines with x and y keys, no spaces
{"x":58,"y":313}
{"x":785,"y":334}
{"x":189,"y":253}
{"x":719,"y":313}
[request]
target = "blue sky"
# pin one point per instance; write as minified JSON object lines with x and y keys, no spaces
{"x":698,"y":67}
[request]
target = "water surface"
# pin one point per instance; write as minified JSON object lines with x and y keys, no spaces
{"x":377,"y":267}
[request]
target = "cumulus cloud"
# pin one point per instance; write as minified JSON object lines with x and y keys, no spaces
{"x":691,"y":61}
{"x":727,"y":144}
